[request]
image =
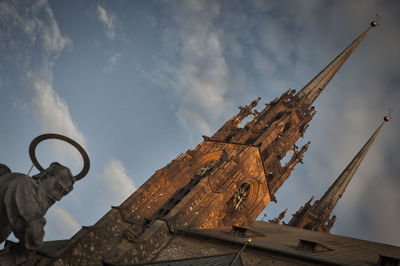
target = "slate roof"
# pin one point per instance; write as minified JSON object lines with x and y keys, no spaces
{"x":284,"y":240}
{"x":217,"y":260}
{"x":51,"y":248}
{"x":329,"y":249}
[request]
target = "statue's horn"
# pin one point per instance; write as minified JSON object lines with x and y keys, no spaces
{"x":38,"y":139}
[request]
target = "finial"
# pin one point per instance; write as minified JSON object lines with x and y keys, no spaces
{"x":389,"y":116}
{"x":265,"y":216}
{"x":376,"y":22}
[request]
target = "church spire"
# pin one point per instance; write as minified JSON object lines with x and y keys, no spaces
{"x":334,"y":193}
{"x":316,"y":217}
{"x":314,"y":88}
{"x":276,"y":129}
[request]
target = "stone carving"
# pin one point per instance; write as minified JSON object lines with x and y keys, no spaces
{"x":278,"y":219}
{"x":24,"y":201}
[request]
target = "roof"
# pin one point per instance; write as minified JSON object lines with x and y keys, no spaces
{"x":305,"y":244}
{"x":50,"y":248}
{"x":217,"y":260}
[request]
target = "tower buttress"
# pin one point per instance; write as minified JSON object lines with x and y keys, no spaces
{"x":316,"y":217}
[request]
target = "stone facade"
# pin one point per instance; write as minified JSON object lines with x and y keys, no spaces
{"x":226,"y":180}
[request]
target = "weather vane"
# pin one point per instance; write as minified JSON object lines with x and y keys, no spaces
{"x":377,"y":21}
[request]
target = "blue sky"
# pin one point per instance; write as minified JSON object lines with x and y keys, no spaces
{"x":138,"y":82}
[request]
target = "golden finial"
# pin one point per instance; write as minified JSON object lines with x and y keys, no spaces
{"x":376,"y":22}
{"x":265,"y":216}
{"x":389,"y":116}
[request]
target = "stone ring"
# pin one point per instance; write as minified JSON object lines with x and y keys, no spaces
{"x":38,"y":139}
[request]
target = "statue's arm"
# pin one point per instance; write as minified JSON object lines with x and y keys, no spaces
{"x":30,"y":233}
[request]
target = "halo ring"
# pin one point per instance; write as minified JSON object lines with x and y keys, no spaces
{"x":38,"y":139}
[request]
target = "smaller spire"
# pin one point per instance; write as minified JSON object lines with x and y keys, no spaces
{"x":316,"y":217}
{"x":335,"y":192}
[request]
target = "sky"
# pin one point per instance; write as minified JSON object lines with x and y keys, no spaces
{"x":139,"y":82}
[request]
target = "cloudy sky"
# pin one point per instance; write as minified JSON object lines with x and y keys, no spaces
{"x":138,"y":82}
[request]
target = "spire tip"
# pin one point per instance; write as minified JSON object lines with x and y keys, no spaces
{"x":389,"y":116}
{"x":377,"y":21}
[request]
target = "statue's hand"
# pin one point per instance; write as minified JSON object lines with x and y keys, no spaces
{"x":7,"y":259}
{"x":14,"y":256}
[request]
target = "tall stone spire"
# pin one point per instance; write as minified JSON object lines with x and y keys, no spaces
{"x":316,"y":217}
{"x":314,"y":88}
{"x":276,"y":128}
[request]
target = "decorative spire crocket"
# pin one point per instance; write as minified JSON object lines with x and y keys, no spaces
{"x":278,"y":219}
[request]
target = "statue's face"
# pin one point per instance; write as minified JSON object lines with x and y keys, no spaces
{"x":57,"y":184}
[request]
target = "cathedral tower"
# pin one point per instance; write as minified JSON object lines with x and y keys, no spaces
{"x":317,"y":216}
{"x":228,"y":179}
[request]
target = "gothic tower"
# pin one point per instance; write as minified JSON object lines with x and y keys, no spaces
{"x":317,"y":216}
{"x":228,"y":179}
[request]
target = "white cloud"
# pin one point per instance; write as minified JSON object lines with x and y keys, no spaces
{"x":109,"y":20}
{"x":112,"y":61}
{"x":60,"y":224}
{"x":19,"y":105}
{"x":53,"y":115}
{"x":41,"y":37}
{"x":115,"y":183}
{"x":54,"y":42}
{"x":197,"y":69}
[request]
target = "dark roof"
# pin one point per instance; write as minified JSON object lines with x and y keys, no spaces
{"x":51,"y":248}
{"x":217,"y":260}
{"x":284,"y":240}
